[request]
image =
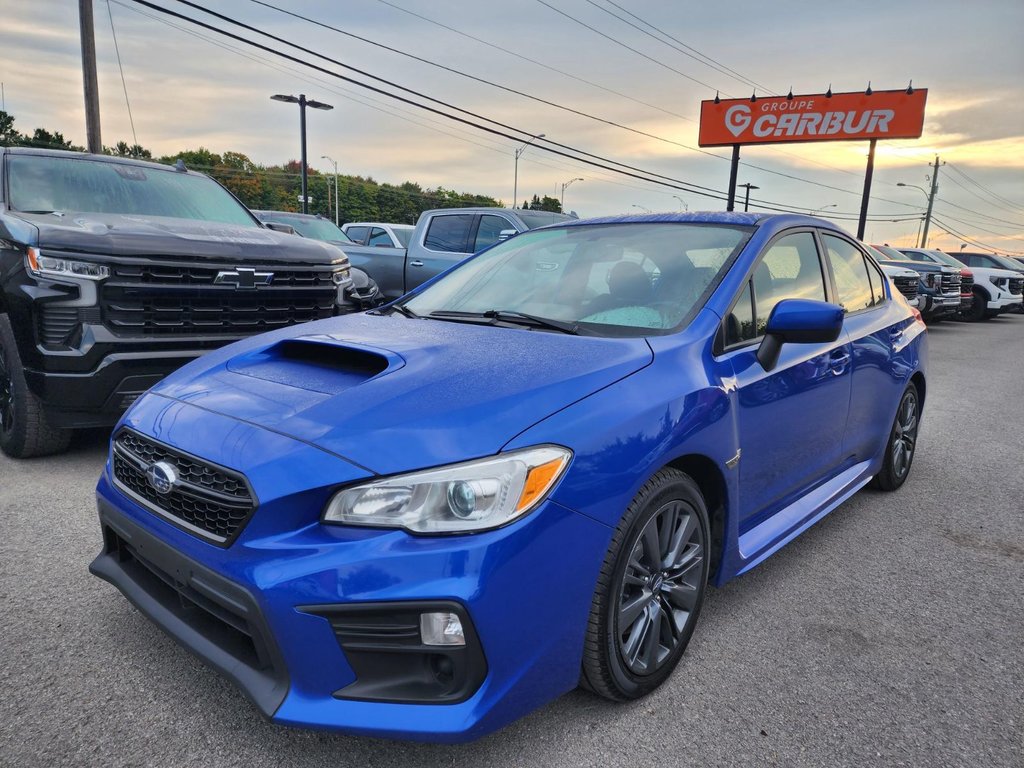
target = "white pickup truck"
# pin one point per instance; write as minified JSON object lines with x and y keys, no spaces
{"x":995,"y":290}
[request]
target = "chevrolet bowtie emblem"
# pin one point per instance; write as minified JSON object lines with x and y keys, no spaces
{"x":243,"y":278}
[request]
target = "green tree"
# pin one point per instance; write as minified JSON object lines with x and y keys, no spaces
{"x":8,"y":136}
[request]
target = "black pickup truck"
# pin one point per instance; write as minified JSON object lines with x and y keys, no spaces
{"x":115,"y":272}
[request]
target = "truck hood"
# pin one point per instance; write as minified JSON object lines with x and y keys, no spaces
{"x":392,"y":394}
{"x":130,"y":235}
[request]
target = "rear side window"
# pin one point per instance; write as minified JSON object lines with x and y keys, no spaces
{"x":850,"y":271}
{"x":449,"y":232}
{"x":379,"y":237}
{"x":358,"y":234}
{"x":489,"y":230}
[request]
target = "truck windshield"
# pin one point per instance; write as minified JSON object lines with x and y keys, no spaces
{"x":313,"y":228}
{"x":43,"y":184}
{"x":629,"y":279}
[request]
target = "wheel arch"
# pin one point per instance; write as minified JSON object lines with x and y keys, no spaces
{"x":918,"y":381}
{"x":710,"y":479}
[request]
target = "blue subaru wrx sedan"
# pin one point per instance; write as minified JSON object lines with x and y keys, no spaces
{"x":427,"y":520}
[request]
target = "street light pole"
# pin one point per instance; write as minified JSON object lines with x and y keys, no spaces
{"x":931,"y":199}
{"x":337,"y":221}
{"x":746,"y":199}
{"x":303,"y":102}
{"x":643,"y":208}
{"x":567,"y":184}
{"x":682,"y":203}
{"x":515,"y":182}
{"x":819,"y":210}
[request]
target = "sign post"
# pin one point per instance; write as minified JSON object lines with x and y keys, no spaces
{"x":863,"y":116}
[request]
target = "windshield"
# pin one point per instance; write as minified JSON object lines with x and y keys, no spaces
{"x":534,"y":219}
{"x":41,"y":184}
{"x":404,"y":234}
{"x":313,"y":228}
{"x":945,"y":258}
{"x":891,"y":254}
{"x":1006,"y":263}
{"x":608,"y":279}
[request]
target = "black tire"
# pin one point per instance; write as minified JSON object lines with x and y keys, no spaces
{"x":901,"y":447}
{"x":979,"y":309}
{"x":621,"y":587}
{"x":24,"y":428}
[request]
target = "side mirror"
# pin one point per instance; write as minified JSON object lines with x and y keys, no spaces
{"x":288,"y":229}
{"x":798,"y":321}
{"x":505,"y":234}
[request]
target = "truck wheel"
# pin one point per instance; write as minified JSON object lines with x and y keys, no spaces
{"x":24,"y":429}
{"x":979,"y":308}
{"x":649,"y":591}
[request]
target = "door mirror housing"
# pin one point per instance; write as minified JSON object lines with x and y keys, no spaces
{"x":798,"y":321}
{"x":505,"y":234}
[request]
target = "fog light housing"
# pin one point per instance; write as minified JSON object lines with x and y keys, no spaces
{"x":441,"y":628}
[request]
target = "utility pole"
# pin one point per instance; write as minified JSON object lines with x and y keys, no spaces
{"x":746,"y":199}
{"x":931,"y":202}
{"x":92,"y":88}
{"x":303,"y":102}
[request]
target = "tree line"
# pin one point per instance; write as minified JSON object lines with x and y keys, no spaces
{"x":278,"y":187}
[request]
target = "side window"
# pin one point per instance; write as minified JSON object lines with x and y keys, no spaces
{"x":449,"y":232}
{"x":488,"y":231}
{"x":851,"y":274}
{"x":739,"y":326}
{"x":789,"y":269}
{"x":877,"y":282}
{"x":379,"y":237}
{"x":358,"y":234}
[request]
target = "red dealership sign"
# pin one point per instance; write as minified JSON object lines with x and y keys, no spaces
{"x":820,"y":117}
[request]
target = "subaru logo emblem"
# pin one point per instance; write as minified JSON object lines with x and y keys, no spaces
{"x":243,"y":278}
{"x":162,"y":477}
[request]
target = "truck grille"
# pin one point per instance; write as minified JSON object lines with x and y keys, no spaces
{"x":966,"y":286}
{"x":951,"y":284}
{"x":907,"y":286}
{"x":207,"y":500}
{"x":165,"y":299}
{"x":1016,"y":286}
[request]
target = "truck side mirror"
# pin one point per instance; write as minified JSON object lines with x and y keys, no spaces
{"x":288,"y":229}
{"x":505,"y":234}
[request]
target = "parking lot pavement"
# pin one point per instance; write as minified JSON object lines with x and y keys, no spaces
{"x":890,"y":634}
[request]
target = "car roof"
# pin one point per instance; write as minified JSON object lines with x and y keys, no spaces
{"x":734,"y":218}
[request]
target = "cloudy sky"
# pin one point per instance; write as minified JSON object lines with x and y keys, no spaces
{"x":189,"y":87}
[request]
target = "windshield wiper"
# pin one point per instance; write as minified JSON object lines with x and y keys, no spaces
{"x":404,"y":311}
{"x":509,"y":316}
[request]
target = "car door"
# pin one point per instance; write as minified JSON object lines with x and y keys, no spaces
{"x":874,"y":326}
{"x":790,"y":420}
{"x":447,"y":240}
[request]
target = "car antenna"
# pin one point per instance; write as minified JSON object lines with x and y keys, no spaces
{"x":180,"y":166}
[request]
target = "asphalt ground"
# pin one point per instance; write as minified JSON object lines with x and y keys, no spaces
{"x":890,"y":634}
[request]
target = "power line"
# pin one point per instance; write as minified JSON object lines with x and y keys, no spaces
{"x":983,"y":215}
{"x":985,"y":189}
{"x":124,"y":85}
{"x":627,"y":47}
{"x":949,"y":230}
{"x":709,"y":63}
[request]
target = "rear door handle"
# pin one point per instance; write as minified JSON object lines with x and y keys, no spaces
{"x":416,"y":263}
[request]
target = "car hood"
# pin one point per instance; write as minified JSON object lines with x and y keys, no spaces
{"x":129,"y":235}
{"x":921,"y":266}
{"x":393,"y":394}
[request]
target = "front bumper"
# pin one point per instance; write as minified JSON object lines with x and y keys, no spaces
{"x":938,"y":305}
{"x":526,"y":600}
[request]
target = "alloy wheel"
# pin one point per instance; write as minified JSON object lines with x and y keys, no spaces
{"x":905,"y":435}
{"x":661,"y":587}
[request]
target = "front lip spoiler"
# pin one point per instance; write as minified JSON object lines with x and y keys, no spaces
{"x":170,"y":588}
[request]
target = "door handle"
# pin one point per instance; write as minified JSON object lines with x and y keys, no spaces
{"x":837,"y":362}
{"x":895,"y":332}
{"x":416,"y":263}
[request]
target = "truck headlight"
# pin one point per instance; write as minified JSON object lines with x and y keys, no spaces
{"x":1000,"y":282}
{"x":41,"y":265}
{"x":460,"y":498}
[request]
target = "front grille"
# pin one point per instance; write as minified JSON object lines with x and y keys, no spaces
{"x":167,"y":299}
{"x":1016,"y":286}
{"x":207,"y":500}
{"x":966,"y":286}
{"x":951,"y":284}
{"x":907,"y":286}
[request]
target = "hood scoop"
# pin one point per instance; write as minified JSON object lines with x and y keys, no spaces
{"x":316,"y":363}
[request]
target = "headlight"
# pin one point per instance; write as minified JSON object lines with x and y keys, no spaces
{"x":1000,"y":281}
{"x":48,"y":265}
{"x":460,"y":498}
